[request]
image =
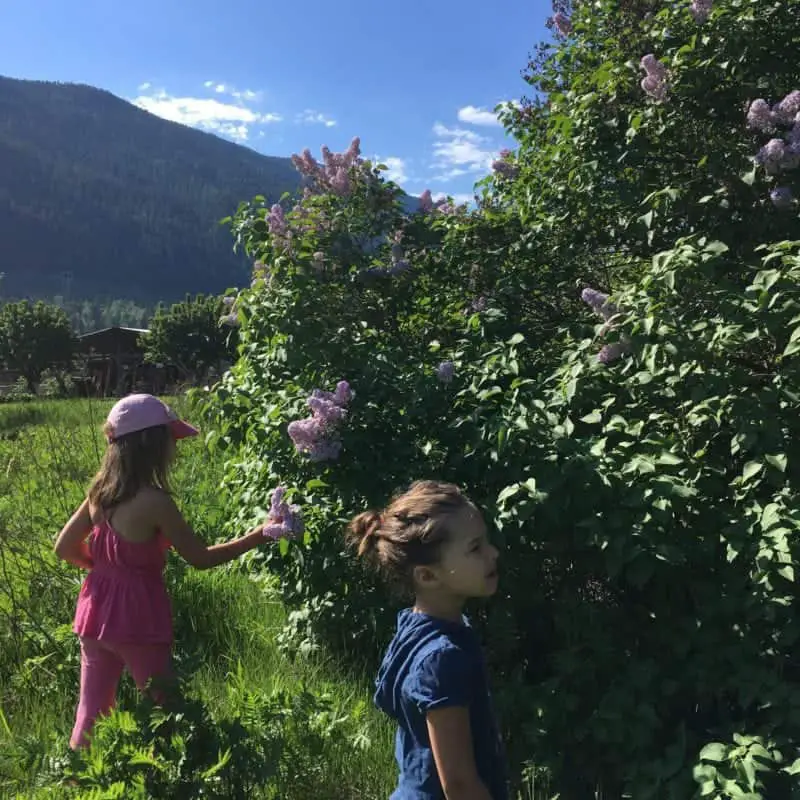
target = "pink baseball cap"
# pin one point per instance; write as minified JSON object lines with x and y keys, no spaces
{"x":139,"y":411}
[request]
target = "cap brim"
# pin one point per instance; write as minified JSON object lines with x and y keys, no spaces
{"x":182,"y":430}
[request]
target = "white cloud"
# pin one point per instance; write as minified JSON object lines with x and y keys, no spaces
{"x":309,"y":117}
{"x":247,"y":94}
{"x":239,"y":94}
{"x":145,"y":86}
{"x":458,"y":152}
{"x":397,"y":171}
{"x":478,"y":116}
{"x":459,"y":198}
{"x":232,"y":120}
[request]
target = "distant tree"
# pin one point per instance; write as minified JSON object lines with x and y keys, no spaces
{"x":33,"y":338}
{"x":189,"y":335}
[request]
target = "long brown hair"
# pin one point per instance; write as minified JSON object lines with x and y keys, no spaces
{"x":410,"y":532}
{"x":132,"y":462}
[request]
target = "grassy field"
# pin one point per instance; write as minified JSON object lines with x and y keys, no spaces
{"x":225,"y":622}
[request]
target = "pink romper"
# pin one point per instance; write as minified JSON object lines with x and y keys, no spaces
{"x":123,"y":619}
{"x":124,"y":597}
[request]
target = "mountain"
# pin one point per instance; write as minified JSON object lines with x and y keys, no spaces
{"x":106,"y":200}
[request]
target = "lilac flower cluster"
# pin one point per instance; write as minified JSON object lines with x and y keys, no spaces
{"x":446,"y":371}
{"x":655,"y":82}
{"x":334,"y":173}
{"x":778,"y":154}
{"x":701,"y":10}
{"x":601,"y":305}
{"x":426,"y":202}
{"x":276,"y":220}
{"x":479,"y":304}
{"x":317,"y":436}
{"x":398,"y":266}
{"x":505,"y":166}
{"x":562,"y":23}
{"x":448,"y":208}
{"x":283,"y":520}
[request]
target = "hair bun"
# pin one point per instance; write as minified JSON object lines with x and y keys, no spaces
{"x":364,"y":533}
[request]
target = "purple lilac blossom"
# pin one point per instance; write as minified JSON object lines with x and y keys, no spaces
{"x":327,"y":412}
{"x":701,"y":10}
{"x":446,"y":371}
{"x":771,"y":156}
{"x":504,"y":166}
{"x":283,"y":520}
{"x":611,"y":352}
{"x":786,"y":111}
{"x":599,"y":303}
{"x":760,"y":116}
{"x":479,"y":304}
{"x":562,"y":24}
{"x":655,"y":83}
{"x":781,"y":197}
{"x":276,"y":220}
{"x":317,"y":435}
{"x":334,"y":173}
{"x":652,"y":66}
{"x":426,"y":202}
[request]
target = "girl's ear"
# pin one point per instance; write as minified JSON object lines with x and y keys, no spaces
{"x":425,"y":577}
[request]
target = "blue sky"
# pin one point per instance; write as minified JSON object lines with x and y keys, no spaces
{"x":416,"y":81}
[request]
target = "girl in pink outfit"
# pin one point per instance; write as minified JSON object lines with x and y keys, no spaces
{"x":120,"y":534}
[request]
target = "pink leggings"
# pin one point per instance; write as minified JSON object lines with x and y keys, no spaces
{"x":101,"y":668}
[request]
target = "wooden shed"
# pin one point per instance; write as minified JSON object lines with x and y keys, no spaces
{"x":114,"y":364}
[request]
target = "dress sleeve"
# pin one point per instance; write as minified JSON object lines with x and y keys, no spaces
{"x":441,"y":679}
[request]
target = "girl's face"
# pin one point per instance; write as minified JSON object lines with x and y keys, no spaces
{"x":468,"y":564}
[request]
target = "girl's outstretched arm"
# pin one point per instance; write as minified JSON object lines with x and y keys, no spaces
{"x":71,"y":543}
{"x":451,"y":742}
{"x":189,"y":545}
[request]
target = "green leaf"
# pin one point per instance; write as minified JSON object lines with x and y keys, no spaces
{"x":749,"y":177}
{"x":751,"y":469}
{"x":714,"y":751}
{"x":778,"y":461}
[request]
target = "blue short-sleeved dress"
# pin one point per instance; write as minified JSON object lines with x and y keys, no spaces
{"x":435,"y":663}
